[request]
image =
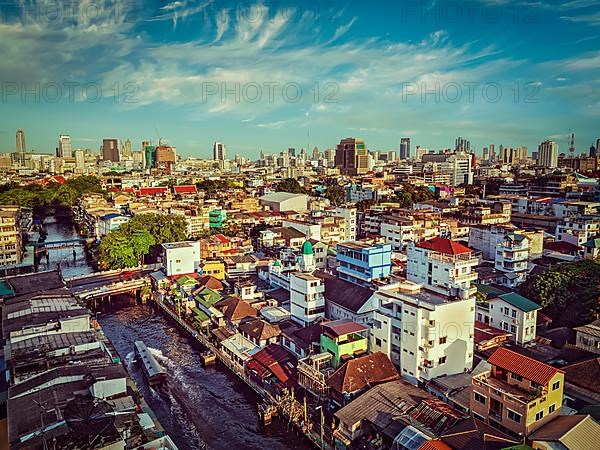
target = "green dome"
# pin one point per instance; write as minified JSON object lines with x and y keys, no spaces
{"x":307,"y":249}
{"x":276,"y":263}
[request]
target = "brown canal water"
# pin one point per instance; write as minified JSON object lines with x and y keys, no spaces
{"x":202,"y":408}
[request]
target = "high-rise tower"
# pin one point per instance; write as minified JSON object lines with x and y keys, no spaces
{"x":21,"y":147}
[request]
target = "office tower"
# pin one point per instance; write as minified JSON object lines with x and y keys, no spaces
{"x":292,"y":152}
{"x":352,"y":157}
{"x":375,"y":156}
{"x":126,"y":150}
{"x":462,"y":145}
{"x":219,"y":152}
{"x":419,"y":153}
{"x":592,"y":151}
{"x":571,"y":144}
{"x":21,"y":147}
{"x":330,"y":156}
{"x":110,"y":150}
{"x":486,"y":154}
{"x":79,"y":160}
{"x":315,"y":154}
{"x":391,"y":156}
{"x":548,"y":154}
{"x":64,"y":146}
{"x":492,"y":153}
{"x":405,"y":148}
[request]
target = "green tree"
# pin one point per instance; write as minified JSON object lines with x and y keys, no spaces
{"x":163,"y":228}
{"x":119,"y":250}
{"x":291,"y":185}
{"x":335,"y":194}
{"x":568,"y":293}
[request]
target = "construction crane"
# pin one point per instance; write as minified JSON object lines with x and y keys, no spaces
{"x":160,"y":140}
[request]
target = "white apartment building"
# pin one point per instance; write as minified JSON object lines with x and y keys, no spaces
{"x":307,"y":298}
{"x":578,"y":230}
{"x":512,"y":258}
{"x":398,"y":231}
{"x":513,"y":313}
{"x":180,"y":258}
{"x":310,"y":230}
{"x":461,"y":168}
{"x":443,"y":266}
{"x":426,"y":334}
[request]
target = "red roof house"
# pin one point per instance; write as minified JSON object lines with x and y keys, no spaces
{"x":446,"y":246}
{"x":185,"y":190}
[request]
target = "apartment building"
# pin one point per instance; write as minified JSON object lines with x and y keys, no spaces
{"x":512,"y":258}
{"x":485,"y":238}
{"x":362,"y":263}
{"x":11,"y":240}
{"x":578,"y":230}
{"x":518,"y":394}
{"x":511,"y":312}
{"x":425,"y":334}
{"x":405,"y":226}
{"x":443,"y":266}
{"x":180,"y":258}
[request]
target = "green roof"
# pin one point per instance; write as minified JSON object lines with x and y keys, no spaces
{"x":207,"y":297}
{"x":488,"y":290}
{"x":5,"y":289}
{"x":276,"y":263}
{"x":518,"y":301}
{"x":200,"y":315}
{"x":186,"y":281}
{"x":307,"y":249}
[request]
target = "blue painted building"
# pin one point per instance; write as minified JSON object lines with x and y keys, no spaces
{"x":361,"y":263}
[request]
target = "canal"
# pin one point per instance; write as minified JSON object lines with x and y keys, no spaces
{"x":202,"y":408}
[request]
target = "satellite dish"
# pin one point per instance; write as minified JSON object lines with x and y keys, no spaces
{"x":88,"y":417}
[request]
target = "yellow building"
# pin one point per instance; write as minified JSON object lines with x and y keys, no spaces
{"x":11,"y":242}
{"x":518,"y":395}
{"x":214,"y":267}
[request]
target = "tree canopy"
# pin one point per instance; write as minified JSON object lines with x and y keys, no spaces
{"x":568,"y":293}
{"x":54,"y":194}
{"x":125,"y":247}
{"x":335,"y":194}
{"x":291,"y":185}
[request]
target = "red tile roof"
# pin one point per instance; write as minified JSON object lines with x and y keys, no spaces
{"x":343,"y":327}
{"x":148,"y":191}
{"x":221,"y":238}
{"x":189,"y":189}
{"x":443,"y":245}
{"x":276,"y":360}
{"x":360,"y":373}
{"x":524,"y":366}
{"x":436,"y":444}
{"x":234,"y":308}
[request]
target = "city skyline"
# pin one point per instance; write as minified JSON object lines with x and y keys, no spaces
{"x":357,"y":80}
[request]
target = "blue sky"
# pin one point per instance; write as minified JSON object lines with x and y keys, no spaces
{"x":362,"y":68}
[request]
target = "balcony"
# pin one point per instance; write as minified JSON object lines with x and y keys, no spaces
{"x":506,"y":393}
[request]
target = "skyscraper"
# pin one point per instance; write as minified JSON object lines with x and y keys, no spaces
{"x":126,"y":149}
{"x":548,"y":154}
{"x":64,"y":146}
{"x":352,"y":157}
{"x":219,"y":152}
{"x":462,"y":145}
{"x":486,"y":154}
{"x":110,"y":150}
{"x":21,"y":147}
{"x":405,"y":148}
{"x":492,"y":153}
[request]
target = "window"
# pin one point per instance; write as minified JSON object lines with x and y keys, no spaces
{"x":551,"y":408}
{"x":378,"y":342}
{"x":443,"y":340}
{"x":539,"y":415}
{"x":514,"y":312}
{"x":555,"y":385}
{"x":514,"y":416}
{"x":479,"y":398}
{"x":514,"y":376}
{"x":442,"y":360}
